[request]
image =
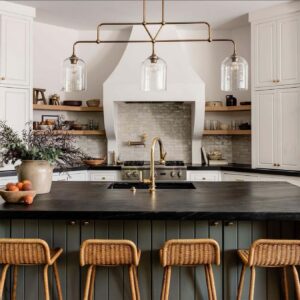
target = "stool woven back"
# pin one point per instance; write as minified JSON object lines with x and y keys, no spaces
{"x":274,"y":253}
{"x":24,"y":251}
{"x":190,"y":252}
{"x":108,"y":252}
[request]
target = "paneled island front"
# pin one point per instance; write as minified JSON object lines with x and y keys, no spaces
{"x":232,"y":213}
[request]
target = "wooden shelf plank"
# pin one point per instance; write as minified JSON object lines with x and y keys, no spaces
{"x":75,"y":132}
{"x":228,"y":108}
{"x":67,"y":108}
{"x":227,"y":132}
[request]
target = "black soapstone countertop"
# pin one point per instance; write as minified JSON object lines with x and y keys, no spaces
{"x":210,"y":201}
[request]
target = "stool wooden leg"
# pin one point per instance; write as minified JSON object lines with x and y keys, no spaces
{"x":208,"y":282}
{"x":88,"y":282}
{"x":15,"y":279}
{"x":137,"y":289}
{"x":241,"y":283}
{"x":166,"y":283}
{"x":252,"y":283}
{"x":212,"y":282}
{"x":2,"y":280}
{"x":285,"y":283}
{"x":46,"y":283}
{"x":132,"y":283}
{"x":297,"y":283}
{"x":92,"y":284}
{"x":57,"y":281}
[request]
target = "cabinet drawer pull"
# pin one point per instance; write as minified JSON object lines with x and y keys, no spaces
{"x":214,"y":223}
{"x":85,"y":223}
{"x":2,"y":78}
{"x":72,"y":223}
{"x":203,"y":178}
{"x":103,"y":178}
{"x":229,"y":223}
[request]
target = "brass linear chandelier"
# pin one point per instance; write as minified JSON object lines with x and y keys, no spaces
{"x":234,"y":69}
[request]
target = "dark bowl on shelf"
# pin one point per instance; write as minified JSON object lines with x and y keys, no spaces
{"x":72,"y":103}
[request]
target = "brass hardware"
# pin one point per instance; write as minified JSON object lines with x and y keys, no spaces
{"x":151,"y":180}
{"x":103,"y":178}
{"x":142,"y":142}
{"x":85,"y":223}
{"x":214,"y":223}
{"x":277,"y":80}
{"x":72,"y":223}
{"x":152,"y":39}
{"x":229,"y":223}
{"x":274,"y":81}
{"x":2,"y":78}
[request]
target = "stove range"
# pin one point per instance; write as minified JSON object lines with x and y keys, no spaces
{"x":172,"y":170}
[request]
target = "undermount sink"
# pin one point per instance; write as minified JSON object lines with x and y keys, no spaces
{"x":159,"y":185}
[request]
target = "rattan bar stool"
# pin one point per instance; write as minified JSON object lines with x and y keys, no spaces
{"x":190,"y":253}
{"x":110,"y":253}
{"x":271,"y":254}
{"x":28,"y":252}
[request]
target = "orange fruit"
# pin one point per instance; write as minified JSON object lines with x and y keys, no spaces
{"x":8,"y":185}
{"x":19,"y":185}
{"x":27,"y":187}
{"x":28,"y":199}
{"x":13,"y":188}
{"x":26,"y":181}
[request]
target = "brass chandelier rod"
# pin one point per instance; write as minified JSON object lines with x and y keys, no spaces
{"x":152,"y":39}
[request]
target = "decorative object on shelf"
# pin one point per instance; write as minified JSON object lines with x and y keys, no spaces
{"x":72,"y":103}
{"x":224,"y":126}
{"x":38,"y":96}
{"x":245,"y":103}
{"x":93,"y":103}
{"x":52,"y":121}
{"x":142,"y":142}
{"x":54,"y":99}
{"x":234,"y":69}
{"x":215,"y":155}
{"x":230,"y":100}
{"x":95,"y":161}
{"x":214,"y":104}
{"x":38,"y":154}
{"x":214,"y":124}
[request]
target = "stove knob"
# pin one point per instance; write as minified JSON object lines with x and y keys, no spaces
{"x":173,"y":174}
{"x":128,"y":174}
{"x":179,"y":174}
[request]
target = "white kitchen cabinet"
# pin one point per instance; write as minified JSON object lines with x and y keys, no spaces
{"x":276,"y":50}
{"x":276,"y":129}
{"x":15,"y":50}
{"x":7,"y":179}
{"x":203,"y":176}
{"x":231,"y":176}
{"x":104,"y":175}
{"x":60,"y":177}
{"x":78,"y":176}
{"x":15,"y":107}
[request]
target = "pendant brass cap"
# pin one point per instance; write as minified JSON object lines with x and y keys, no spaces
{"x":74,"y":59}
{"x":153,"y":58}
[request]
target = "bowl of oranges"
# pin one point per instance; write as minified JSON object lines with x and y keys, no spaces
{"x":18,"y":192}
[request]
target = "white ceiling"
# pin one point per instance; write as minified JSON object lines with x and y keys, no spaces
{"x":85,"y":15}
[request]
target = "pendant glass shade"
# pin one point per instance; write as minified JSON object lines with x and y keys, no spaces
{"x":154,"y":74}
{"x":234,"y":73}
{"x":74,"y":75}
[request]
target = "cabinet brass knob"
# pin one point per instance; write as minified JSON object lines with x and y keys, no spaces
{"x":229,"y":223}
{"x":2,"y":78}
{"x":214,"y":223}
{"x":72,"y":223}
{"x":85,"y":223}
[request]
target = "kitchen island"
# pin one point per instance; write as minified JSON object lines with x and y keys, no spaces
{"x":233,"y":213}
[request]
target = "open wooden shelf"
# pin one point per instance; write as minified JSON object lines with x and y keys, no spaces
{"x":228,"y":108}
{"x":67,"y":108}
{"x":75,"y":132}
{"x":227,"y":132}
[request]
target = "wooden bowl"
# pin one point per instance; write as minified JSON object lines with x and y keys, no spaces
{"x":15,"y":197}
{"x":94,"y":162}
{"x":93,"y":103}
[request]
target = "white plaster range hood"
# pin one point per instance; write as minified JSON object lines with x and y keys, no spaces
{"x":183,"y":85}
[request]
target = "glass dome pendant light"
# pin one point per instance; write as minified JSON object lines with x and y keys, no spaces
{"x":74,"y":74}
{"x":154,"y":73}
{"x":234,"y":73}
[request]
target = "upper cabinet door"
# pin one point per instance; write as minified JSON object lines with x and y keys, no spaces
{"x":289,"y":128}
{"x":288,"y":45}
{"x":264,"y":130}
{"x":15,"y":56}
{"x":265,"y":54}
